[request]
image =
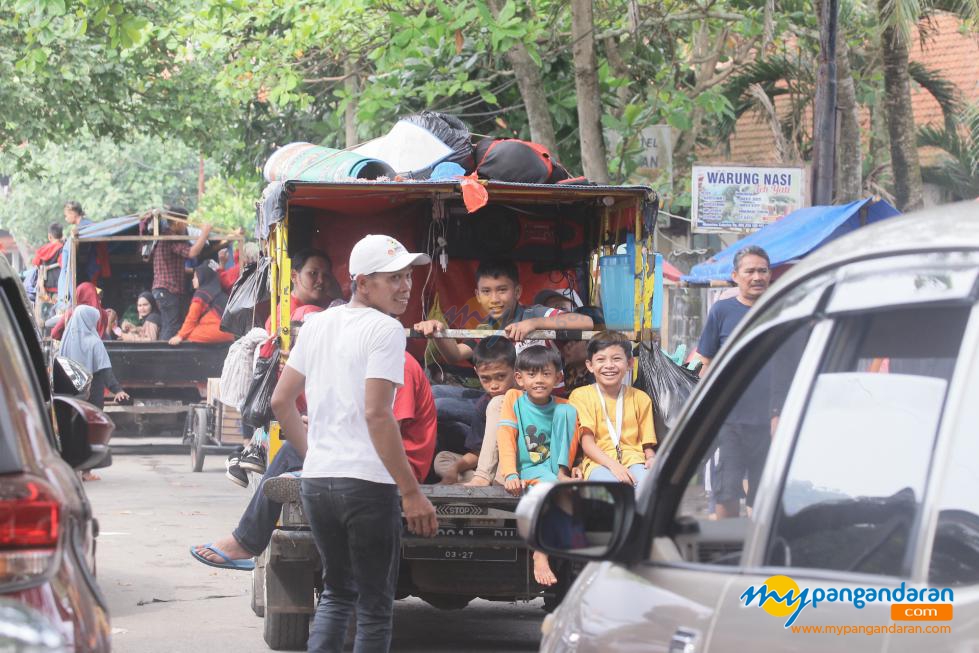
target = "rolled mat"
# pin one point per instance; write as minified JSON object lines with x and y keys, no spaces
{"x":308,"y":162}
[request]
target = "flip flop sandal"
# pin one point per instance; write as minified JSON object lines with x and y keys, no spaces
{"x":240,"y":565}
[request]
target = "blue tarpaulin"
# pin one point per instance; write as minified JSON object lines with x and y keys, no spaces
{"x":795,"y":235}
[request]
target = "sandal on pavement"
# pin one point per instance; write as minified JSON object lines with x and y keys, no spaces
{"x":240,"y":565}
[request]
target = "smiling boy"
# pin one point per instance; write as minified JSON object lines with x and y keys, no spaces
{"x":616,"y":420}
{"x":493,"y":360}
{"x":498,"y":295}
{"x":536,"y":433}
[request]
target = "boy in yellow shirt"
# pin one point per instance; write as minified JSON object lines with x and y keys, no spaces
{"x":616,"y":420}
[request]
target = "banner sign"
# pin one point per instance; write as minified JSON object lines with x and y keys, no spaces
{"x":741,"y":198}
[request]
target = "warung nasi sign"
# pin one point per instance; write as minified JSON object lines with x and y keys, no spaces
{"x":741,"y":198}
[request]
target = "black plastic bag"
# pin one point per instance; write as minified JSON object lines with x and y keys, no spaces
{"x":667,"y":383}
{"x":256,"y":410}
{"x":524,"y":162}
{"x":250,"y":290}
{"x":451,"y":131}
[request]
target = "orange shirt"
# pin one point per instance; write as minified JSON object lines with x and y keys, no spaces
{"x":201,"y":326}
{"x":563,"y":446}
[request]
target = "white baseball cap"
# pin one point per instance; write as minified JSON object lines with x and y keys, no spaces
{"x":376,"y":253}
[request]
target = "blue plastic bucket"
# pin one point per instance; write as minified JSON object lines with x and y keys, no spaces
{"x":618,"y":291}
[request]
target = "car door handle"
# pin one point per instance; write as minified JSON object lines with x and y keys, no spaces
{"x":684,"y":640}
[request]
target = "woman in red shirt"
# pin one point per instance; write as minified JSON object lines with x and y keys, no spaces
{"x":87,"y":294}
{"x":203,"y":321}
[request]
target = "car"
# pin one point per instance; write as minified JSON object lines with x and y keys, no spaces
{"x":24,"y":629}
{"x":866,"y":517}
{"x":47,"y":435}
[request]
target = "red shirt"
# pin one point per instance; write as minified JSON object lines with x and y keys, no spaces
{"x":414,"y":408}
{"x":228,"y":277}
{"x":294,"y":303}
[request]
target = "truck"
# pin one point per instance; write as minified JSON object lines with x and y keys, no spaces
{"x":164,"y":381}
{"x":555,"y":233}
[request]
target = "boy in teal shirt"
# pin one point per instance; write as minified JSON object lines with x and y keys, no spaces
{"x":537,"y":433}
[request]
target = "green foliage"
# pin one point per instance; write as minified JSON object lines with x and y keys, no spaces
{"x":956,"y":169}
{"x":234,"y":79}
{"x":109,"y":180}
{"x":229,"y":202}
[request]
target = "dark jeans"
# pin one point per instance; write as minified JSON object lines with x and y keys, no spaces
{"x":455,"y":407}
{"x":357,"y":528}
{"x":255,"y":528}
{"x":171,"y":317}
{"x":743,"y":449}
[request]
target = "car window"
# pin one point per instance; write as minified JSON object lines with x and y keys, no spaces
{"x":20,"y":411}
{"x":713,"y":517}
{"x":955,"y":546}
{"x":851,"y":499}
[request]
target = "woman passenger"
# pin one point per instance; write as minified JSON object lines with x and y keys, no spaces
{"x":82,"y":344}
{"x":86,"y":294}
{"x":148,"y":327}
{"x":203,"y":321}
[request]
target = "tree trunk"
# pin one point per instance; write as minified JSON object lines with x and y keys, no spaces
{"x":532,"y":92}
{"x":352,"y":87}
{"x":619,"y":68}
{"x":849,"y":155}
{"x":900,"y":120}
{"x":593,"y":159}
{"x":824,"y":138}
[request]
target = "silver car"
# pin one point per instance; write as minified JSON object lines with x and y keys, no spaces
{"x":849,"y":396}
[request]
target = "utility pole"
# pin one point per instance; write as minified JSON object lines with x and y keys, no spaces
{"x":824,"y":115}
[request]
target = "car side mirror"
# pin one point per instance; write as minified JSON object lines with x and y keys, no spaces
{"x":70,"y":378}
{"x":84,"y":432}
{"x":578,"y":520}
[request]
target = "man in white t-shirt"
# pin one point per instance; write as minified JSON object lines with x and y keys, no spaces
{"x":349,"y":362}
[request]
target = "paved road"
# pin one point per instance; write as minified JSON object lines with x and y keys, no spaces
{"x":151,"y":508}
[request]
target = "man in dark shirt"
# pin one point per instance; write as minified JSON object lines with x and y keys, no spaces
{"x":745,"y":436}
{"x":169,"y":279}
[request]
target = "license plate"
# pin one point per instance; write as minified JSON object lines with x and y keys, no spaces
{"x":480,"y":531}
{"x":460,"y":554}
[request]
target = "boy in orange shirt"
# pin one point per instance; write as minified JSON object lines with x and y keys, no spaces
{"x":537,"y":433}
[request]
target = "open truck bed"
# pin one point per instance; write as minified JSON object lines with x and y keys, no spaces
{"x":164,"y":382}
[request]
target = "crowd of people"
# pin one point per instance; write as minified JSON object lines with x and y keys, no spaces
{"x":381,"y":428}
{"x":363,"y":440}
{"x":183,"y":302}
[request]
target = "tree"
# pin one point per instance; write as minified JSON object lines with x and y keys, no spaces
{"x":899,"y":111}
{"x":593,"y":158}
{"x":899,"y":19}
{"x":112,"y":180}
{"x":530,"y":83}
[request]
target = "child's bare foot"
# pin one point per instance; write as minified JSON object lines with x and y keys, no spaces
{"x":478,"y":481}
{"x":228,"y":545}
{"x":542,"y":570}
{"x":91,"y":476}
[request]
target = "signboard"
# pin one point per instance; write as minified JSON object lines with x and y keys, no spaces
{"x":742,"y":198}
{"x":654,"y":158}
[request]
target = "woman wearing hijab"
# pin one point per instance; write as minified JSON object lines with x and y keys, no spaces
{"x":82,"y":344}
{"x":86,"y":294}
{"x":203,"y":321}
{"x":147,"y":326}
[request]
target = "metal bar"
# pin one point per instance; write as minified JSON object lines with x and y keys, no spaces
{"x":109,"y":239}
{"x":540,"y":334}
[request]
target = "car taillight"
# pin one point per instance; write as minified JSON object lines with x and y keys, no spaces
{"x":29,"y":526}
